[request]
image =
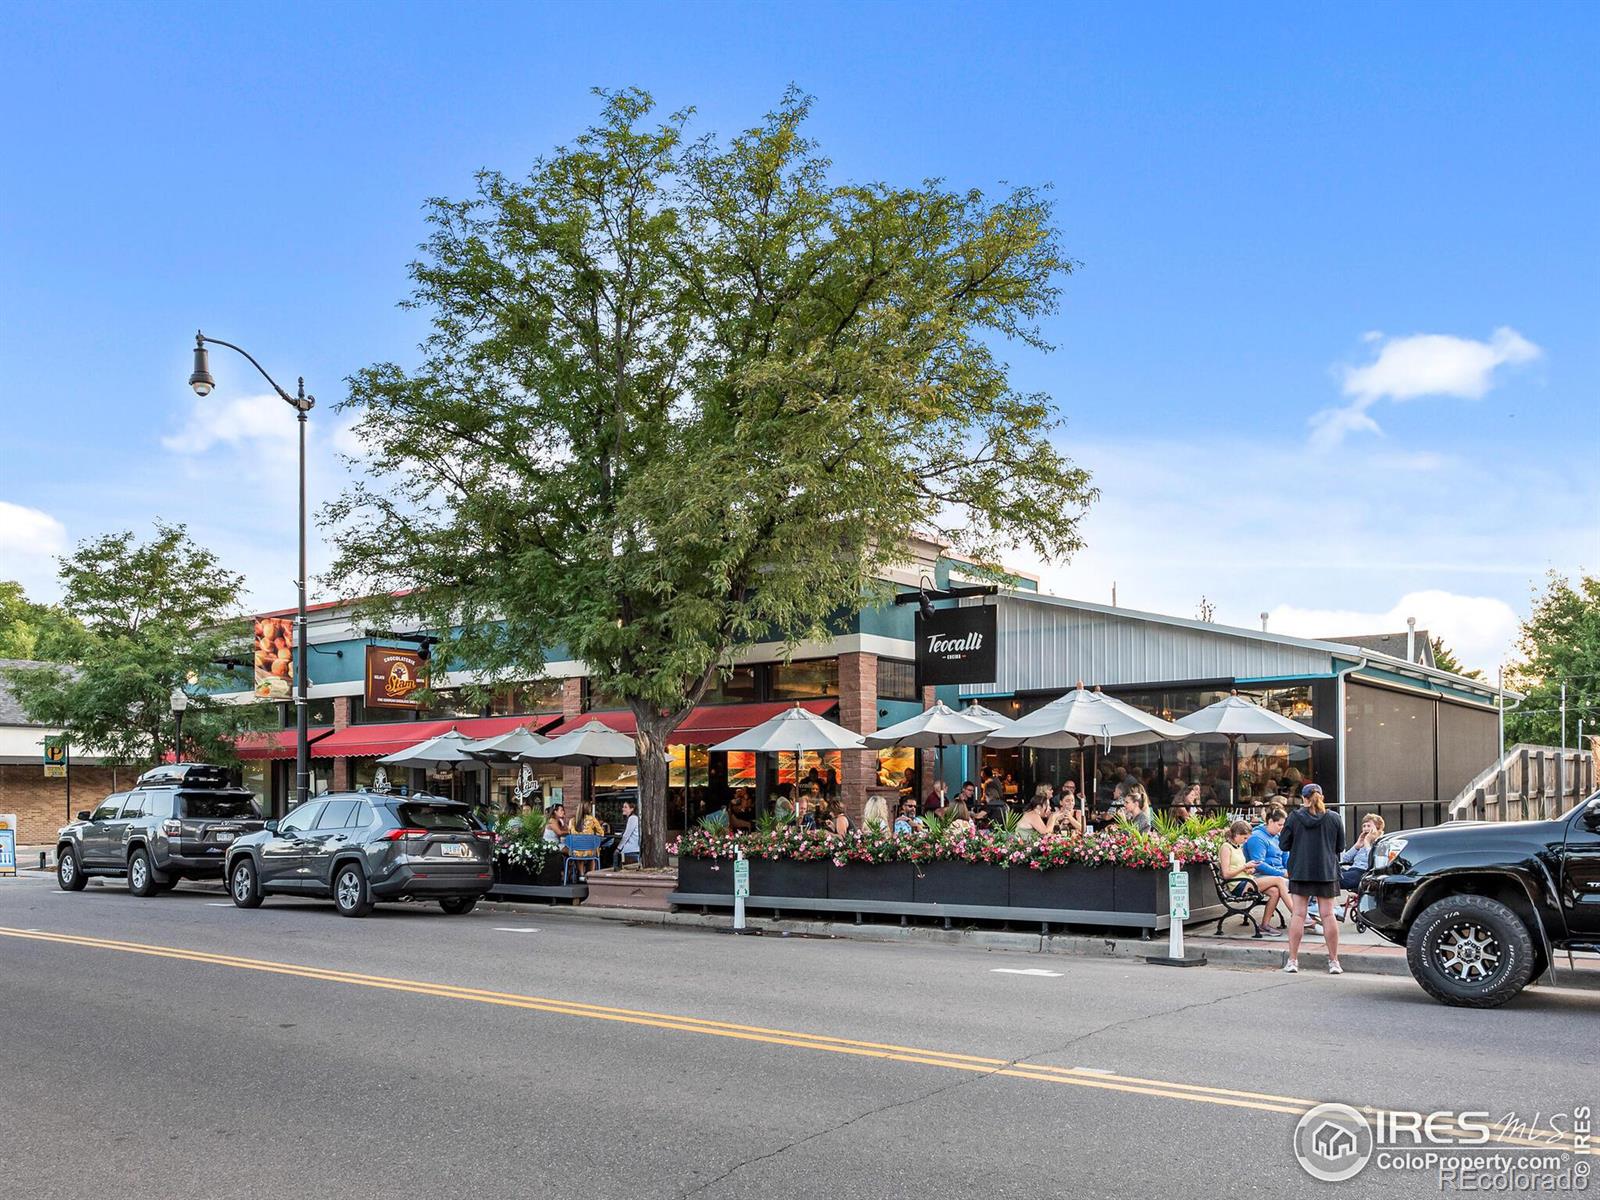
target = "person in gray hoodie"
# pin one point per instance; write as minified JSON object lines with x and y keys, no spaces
{"x":1313,"y":838}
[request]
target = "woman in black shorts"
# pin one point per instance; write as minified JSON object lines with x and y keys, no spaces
{"x":1313,"y":839}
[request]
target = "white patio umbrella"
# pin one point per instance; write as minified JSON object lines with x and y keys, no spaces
{"x":591,"y":744}
{"x":443,"y":750}
{"x":1233,"y":719}
{"x":933,"y":728}
{"x":512,"y":746}
{"x":1080,"y":717}
{"x":795,"y":730}
{"x":994,"y":720}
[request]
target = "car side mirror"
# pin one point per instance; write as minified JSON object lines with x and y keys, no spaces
{"x":85,"y":814}
{"x":1591,"y":817}
{"x":272,"y":827}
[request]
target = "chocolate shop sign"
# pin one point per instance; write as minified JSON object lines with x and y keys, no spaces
{"x":957,"y":645}
{"x":394,"y":677}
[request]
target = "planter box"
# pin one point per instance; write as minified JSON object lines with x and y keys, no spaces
{"x":1090,"y":889}
{"x":706,"y":876}
{"x":1148,"y":891}
{"x":785,"y":877}
{"x":884,"y":882}
{"x":960,"y":883}
{"x":548,"y":875}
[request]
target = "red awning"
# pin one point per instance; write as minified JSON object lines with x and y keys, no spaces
{"x":279,"y":744}
{"x":704,"y":726}
{"x":365,"y":741}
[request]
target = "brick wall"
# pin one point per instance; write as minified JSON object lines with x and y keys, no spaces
{"x":41,"y":804}
{"x":858,"y":711}
{"x":571,"y":706}
{"x":342,"y":780}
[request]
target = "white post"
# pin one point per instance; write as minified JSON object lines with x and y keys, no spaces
{"x":1175,"y":930}
{"x":738,"y":893}
{"x":1561,"y":766}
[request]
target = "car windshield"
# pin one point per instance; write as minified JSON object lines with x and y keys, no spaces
{"x":433,"y":816}
{"x":210,"y":806}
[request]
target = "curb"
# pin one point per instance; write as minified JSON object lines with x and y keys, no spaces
{"x":1068,"y":945}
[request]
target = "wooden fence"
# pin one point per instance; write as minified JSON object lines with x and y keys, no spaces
{"x":1531,"y":783}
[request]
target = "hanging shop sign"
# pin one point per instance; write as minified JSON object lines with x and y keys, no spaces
{"x":55,"y":756}
{"x":274,"y":658}
{"x":957,"y":645}
{"x":395,"y":677}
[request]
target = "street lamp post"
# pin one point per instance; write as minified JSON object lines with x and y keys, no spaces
{"x":202,"y":383}
{"x":179,"y":701}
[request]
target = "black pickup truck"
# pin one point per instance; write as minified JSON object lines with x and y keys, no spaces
{"x":1483,"y":907}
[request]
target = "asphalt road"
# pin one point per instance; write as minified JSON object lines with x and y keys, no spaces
{"x":179,"y":1047}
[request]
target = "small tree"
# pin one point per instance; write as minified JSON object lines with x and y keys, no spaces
{"x":32,"y":631}
{"x":1445,"y":659}
{"x":683,"y":396}
{"x":1559,"y":643}
{"x":152,"y":616}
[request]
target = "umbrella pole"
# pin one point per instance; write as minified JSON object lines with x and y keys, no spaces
{"x":1233,"y":761}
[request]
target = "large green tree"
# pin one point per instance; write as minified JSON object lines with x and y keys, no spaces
{"x":1445,"y":659}
{"x":1560,"y":643}
{"x":684,"y":395}
{"x":150,"y":616}
{"x":29,"y":630}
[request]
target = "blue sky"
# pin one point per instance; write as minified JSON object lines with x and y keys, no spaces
{"x":1331,"y":352}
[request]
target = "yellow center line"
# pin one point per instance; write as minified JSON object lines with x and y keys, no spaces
{"x":890,"y":1052}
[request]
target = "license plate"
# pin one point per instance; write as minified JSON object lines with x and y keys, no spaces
{"x":455,"y":850}
{"x":224,"y":837}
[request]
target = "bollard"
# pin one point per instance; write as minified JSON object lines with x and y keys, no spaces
{"x":1178,"y":913}
{"x":42,"y":867}
{"x":741,"y":889}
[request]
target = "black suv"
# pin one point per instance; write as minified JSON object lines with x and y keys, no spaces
{"x":176,"y":823}
{"x":362,"y":847}
{"x":1481,"y":907}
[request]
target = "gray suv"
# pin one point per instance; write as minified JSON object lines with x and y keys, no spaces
{"x":358,"y":848}
{"x":176,"y":823}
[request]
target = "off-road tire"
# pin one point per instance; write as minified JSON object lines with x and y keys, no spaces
{"x":69,"y":871}
{"x":1470,"y":952}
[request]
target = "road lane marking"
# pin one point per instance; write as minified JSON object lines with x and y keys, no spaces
{"x":1086,"y":1077}
{"x":1040,"y":971}
{"x":513,"y":929}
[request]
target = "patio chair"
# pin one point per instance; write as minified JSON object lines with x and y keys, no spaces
{"x":581,"y":848}
{"x":1236,"y":905}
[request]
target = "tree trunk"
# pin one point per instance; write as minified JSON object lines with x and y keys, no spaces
{"x":650,"y":740}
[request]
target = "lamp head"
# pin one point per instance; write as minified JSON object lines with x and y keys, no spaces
{"x":200,"y":379}
{"x":179,"y":700}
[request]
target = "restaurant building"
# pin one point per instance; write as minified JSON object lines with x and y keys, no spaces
{"x":1405,"y":736}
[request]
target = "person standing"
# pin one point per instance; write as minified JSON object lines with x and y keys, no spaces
{"x":1313,"y":838}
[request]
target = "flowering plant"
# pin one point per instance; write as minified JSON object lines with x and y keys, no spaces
{"x":876,"y":845}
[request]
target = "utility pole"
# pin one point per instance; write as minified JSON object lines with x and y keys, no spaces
{"x":1561,"y":769}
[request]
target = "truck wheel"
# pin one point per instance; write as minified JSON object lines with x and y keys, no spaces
{"x":1470,"y":951}
{"x":141,"y":875}
{"x":457,"y":906}
{"x":69,"y":872}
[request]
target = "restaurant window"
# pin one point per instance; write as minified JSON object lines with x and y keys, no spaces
{"x":821,"y":767}
{"x":254,"y":777}
{"x":894,"y":762}
{"x":449,"y":704}
{"x":814,"y":678}
{"x":539,"y":786}
{"x":318,"y":712}
{"x":597,"y":697}
{"x":897,"y":680}
{"x":536,"y":696}
{"x":742,"y":686}
{"x":360,"y":714}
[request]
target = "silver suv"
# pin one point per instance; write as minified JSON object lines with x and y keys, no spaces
{"x":176,"y":823}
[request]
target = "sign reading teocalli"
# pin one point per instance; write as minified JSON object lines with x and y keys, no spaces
{"x":394,"y":677}
{"x":8,"y":843}
{"x":741,"y":877}
{"x":55,"y":756}
{"x":957,"y":645}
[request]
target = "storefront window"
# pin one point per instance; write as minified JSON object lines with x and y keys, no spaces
{"x":448,"y":704}
{"x":742,"y":686}
{"x":895,"y":765}
{"x":820,"y":767}
{"x":814,"y":678}
{"x":540,"y":786}
{"x":897,"y":680}
{"x":537,"y":696}
{"x":360,"y":714}
{"x":318,"y":712}
{"x":254,"y":778}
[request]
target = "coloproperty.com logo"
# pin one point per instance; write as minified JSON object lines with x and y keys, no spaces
{"x":1334,"y":1143}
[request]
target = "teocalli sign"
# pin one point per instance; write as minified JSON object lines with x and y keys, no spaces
{"x":957,"y":645}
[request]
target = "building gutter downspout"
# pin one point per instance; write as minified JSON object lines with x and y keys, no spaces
{"x":1340,"y":676}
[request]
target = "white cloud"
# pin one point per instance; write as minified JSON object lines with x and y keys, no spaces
{"x":1479,"y":629}
{"x":262,"y":426}
{"x":30,"y":539}
{"x":1422,"y":364}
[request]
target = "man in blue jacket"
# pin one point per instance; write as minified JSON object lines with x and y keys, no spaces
{"x":1262,"y":845}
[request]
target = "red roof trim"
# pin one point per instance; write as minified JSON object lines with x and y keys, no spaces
{"x":279,"y":744}
{"x":360,"y":741}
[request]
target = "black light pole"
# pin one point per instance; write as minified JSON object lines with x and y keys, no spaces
{"x":202,"y":383}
